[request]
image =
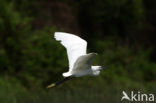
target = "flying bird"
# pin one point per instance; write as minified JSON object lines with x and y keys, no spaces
{"x":80,"y":63}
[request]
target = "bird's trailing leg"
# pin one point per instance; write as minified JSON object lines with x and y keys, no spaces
{"x":59,"y":82}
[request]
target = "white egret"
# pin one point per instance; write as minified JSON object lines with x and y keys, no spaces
{"x":80,"y":63}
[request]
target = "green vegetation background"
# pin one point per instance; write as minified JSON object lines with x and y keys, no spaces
{"x":121,"y":32}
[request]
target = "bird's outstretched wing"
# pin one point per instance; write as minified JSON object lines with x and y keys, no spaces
{"x":75,"y":46}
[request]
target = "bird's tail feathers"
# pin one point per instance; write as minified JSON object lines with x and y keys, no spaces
{"x":66,"y":74}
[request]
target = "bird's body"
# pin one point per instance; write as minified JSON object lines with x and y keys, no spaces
{"x":83,"y":67}
{"x":80,"y":63}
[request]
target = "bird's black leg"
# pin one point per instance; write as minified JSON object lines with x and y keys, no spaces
{"x":59,"y":82}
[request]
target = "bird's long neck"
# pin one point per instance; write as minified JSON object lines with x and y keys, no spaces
{"x":95,"y":68}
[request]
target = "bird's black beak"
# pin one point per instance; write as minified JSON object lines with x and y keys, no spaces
{"x":104,"y":67}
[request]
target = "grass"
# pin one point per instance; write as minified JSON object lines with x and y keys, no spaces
{"x":70,"y":93}
{"x":85,"y":95}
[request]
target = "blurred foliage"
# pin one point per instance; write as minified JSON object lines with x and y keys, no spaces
{"x":124,"y":17}
{"x":30,"y":58}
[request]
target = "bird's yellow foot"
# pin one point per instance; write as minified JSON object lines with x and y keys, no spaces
{"x":51,"y":85}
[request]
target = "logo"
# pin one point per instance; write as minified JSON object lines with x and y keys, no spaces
{"x":137,"y":96}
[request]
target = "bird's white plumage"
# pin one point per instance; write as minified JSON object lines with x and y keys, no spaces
{"x":80,"y":63}
{"x":75,"y":46}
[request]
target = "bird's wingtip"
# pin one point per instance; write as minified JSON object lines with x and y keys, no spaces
{"x":60,"y":33}
{"x":57,"y":32}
